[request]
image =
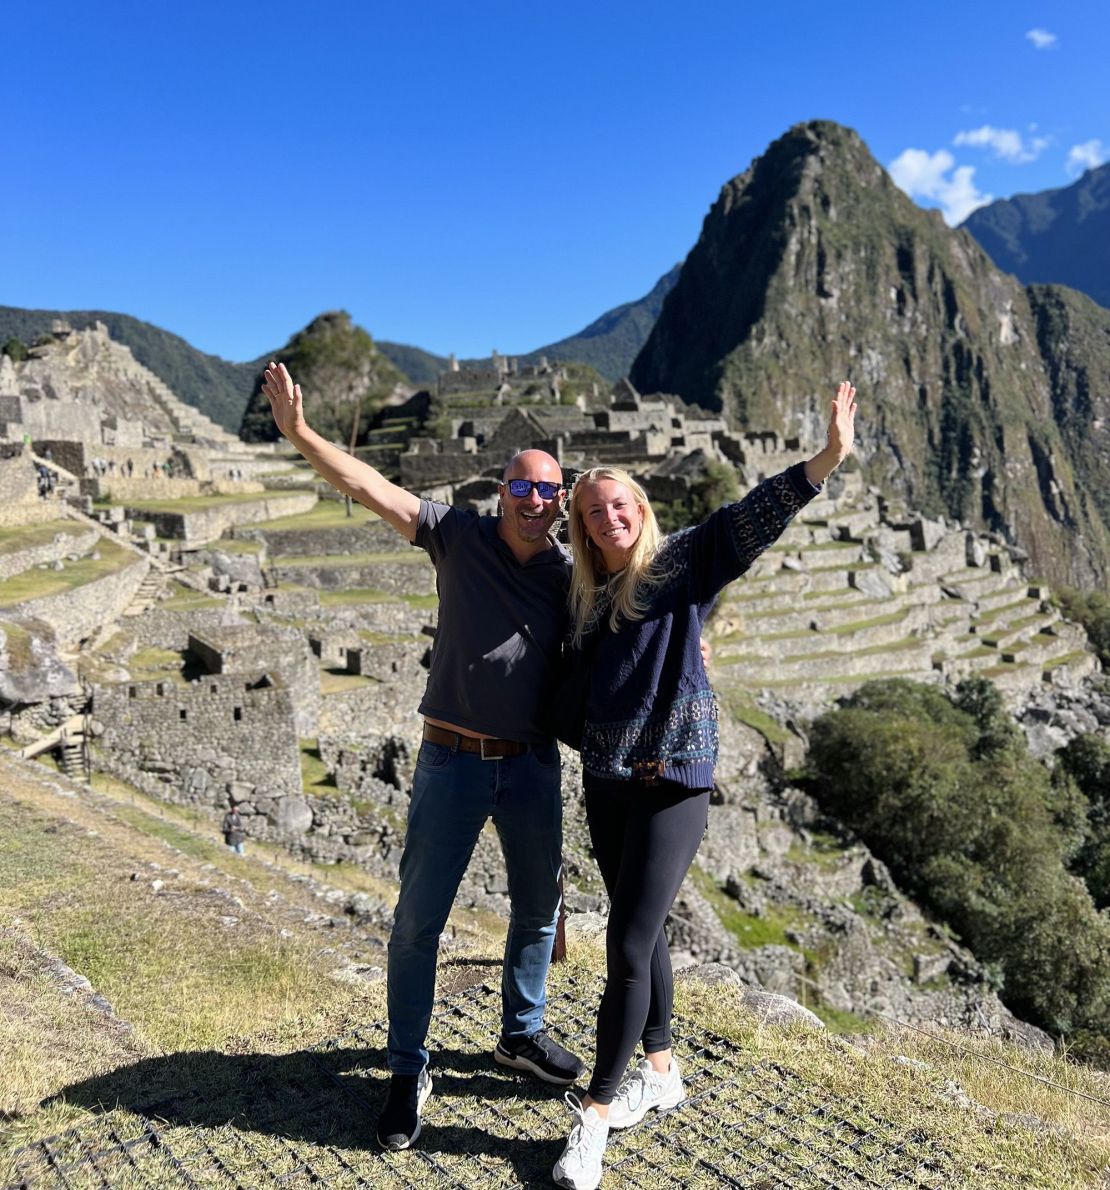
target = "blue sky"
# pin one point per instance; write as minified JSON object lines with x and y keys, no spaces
{"x":482,"y":175}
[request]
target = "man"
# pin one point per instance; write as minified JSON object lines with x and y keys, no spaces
{"x":486,"y":752}
{"x":233,"y":830}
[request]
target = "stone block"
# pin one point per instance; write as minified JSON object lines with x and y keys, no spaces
{"x":291,"y":814}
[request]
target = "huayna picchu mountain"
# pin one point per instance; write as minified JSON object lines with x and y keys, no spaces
{"x":981,"y":400}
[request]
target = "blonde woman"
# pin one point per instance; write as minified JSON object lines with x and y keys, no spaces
{"x":649,"y":746}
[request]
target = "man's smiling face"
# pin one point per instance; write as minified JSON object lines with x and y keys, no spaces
{"x":527,"y":520}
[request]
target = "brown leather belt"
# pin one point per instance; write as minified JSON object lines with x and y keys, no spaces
{"x":486,"y":749}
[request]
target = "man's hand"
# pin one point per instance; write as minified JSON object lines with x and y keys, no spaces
{"x":285,"y":399}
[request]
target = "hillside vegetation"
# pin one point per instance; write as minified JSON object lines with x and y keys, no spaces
{"x":344,"y":377}
{"x":997,"y":845}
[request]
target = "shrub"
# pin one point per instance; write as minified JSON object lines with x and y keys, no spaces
{"x":1092,"y":610}
{"x":15,"y":349}
{"x":1086,"y":761}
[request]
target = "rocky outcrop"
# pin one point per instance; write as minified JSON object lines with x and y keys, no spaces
{"x":31,"y":670}
{"x":343,"y":375}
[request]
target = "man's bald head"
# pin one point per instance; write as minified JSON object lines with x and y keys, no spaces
{"x":533,"y":464}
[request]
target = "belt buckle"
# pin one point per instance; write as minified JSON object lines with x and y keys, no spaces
{"x":482,"y":750}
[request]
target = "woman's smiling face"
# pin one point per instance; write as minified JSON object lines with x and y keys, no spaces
{"x":612,"y":519}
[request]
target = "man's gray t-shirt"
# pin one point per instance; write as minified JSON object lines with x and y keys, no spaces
{"x":501,"y":625}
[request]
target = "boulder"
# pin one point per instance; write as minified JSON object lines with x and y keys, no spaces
{"x":30,"y":668}
{"x":291,"y":814}
{"x":773,"y":1009}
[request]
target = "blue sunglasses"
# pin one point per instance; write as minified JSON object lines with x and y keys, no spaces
{"x":523,"y":487}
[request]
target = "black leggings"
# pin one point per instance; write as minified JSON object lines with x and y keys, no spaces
{"x":645,"y":838}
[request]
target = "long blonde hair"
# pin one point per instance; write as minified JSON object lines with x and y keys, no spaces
{"x":591,"y":585}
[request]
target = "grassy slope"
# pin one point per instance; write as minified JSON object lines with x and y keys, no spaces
{"x":204,"y":996}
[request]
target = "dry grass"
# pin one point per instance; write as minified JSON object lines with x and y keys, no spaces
{"x":1007,"y":1129}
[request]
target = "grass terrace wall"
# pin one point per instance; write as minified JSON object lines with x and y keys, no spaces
{"x":76,"y":613}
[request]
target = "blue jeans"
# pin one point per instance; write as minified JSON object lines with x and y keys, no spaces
{"x":453,"y":793}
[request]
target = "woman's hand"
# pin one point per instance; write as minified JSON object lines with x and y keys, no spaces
{"x":842,"y":422}
{"x":842,"y":433}
{"x":285,"y":399}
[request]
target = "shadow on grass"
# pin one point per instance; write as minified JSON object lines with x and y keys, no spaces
{"x":331,"y":1099}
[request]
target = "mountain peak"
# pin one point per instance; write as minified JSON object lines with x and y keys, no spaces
{"x":811,"y":267}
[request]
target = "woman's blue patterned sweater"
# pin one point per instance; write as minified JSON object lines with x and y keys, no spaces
{"x":650,"y":712}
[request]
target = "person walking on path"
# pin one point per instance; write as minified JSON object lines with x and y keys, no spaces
{"x":233,"y":831}
{"x":649,"y":747}
{"x":487,"y":751}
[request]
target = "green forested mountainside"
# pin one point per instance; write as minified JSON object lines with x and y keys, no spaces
{"x":421,"y":367}
{"x":812,"y":266}
{"x":1057,"y":237}
{"x":610,"y":343}
{"x":214,"y":386}
{"x":343,"y":375}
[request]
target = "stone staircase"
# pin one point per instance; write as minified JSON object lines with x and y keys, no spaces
{"x":69,"y":740}
{"x":150,"y":588}
{"x":846,"y":596}
{"x":190,"y":424}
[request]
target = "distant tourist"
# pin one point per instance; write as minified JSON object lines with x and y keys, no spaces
{"x":487,"y":750}
{"x":233,"y":830}
{"x":649,"y":748}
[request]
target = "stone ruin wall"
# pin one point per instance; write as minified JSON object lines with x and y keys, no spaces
{"x":159,"y":628}
{"x":79,"y":541}
{"x":20,"y":502}
{"x":76,"y":614}
{"x":204,"y":525}
{"x":58,"y":420}
{"x":289,"y":656}
{"x":199,"y":743}
{"x":360,"y":534}
{"x":417,"y":577}
{"x":217,"y":740}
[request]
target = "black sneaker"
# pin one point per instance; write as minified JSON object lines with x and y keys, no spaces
{"x":541,"y":1056}
{"x":399,"y":1125}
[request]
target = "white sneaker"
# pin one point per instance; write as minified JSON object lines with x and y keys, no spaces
{"x":579,"y":1168}
{"x":643,"y":1090}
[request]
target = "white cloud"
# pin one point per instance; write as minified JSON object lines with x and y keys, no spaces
{"x":1006,"y":143}
{"x":1041,"y":39}
{"x":1088,"y":155}
{"x":936,"y":176}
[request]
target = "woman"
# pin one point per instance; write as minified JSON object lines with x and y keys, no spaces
{"x":649,"y":747}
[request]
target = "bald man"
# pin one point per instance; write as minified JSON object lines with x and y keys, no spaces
{"x":486,"y":752}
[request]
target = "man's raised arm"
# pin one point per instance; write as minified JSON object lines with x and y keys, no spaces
{"x":354,"y":478}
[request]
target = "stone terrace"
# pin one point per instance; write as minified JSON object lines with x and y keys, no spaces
{"x":845,"y":597}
